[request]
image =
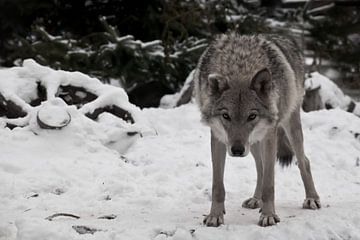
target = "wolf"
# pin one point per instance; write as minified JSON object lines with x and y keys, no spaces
{"x":249,"y":90}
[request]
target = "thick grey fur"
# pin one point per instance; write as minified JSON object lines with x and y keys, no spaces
{"x":262,"y":76}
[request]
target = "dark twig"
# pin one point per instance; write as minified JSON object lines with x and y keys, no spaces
{"x":85,"y":229}
{"x":109,"y":217}
{"x":50,"y":218}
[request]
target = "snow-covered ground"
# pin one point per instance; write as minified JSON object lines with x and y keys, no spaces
{"x":160,"y":189}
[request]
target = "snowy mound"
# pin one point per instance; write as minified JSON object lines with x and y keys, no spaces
{"x":182,"y":97}
{"x":331,"y":95}
{"x":161,"y":188}
{"x":37,"y":97}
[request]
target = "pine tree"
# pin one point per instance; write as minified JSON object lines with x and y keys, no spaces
{"x":107,"y":55}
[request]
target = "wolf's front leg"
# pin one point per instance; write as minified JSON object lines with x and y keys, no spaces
{"x":218,"y":154}
{"x":255,"y":201}
{"x":268,"y":216}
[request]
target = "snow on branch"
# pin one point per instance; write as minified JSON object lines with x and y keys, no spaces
{"x":320,"y":9}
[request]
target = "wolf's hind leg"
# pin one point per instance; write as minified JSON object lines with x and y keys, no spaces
{"x":312,"y":201}
{"x":218,"y":154}
{"x":255,"y":201}
{"x":295,"y":134}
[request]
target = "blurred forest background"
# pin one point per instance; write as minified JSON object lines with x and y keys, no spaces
{"x":150,"y":47}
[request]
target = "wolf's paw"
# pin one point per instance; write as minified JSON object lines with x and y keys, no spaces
{"x":213,"y":220}
{"x":311,"y":203}
{"x":252,"y":203}
{"x":268,"y":220}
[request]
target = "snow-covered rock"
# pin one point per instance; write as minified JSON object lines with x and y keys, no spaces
{"x":35,"y":97}
{"x":182,"y":97}
{"x":331,"y":96}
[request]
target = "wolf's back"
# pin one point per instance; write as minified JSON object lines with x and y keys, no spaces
{"x":292,"y":52}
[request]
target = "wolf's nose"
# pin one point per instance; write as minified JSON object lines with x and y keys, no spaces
{"x":237,"y":151}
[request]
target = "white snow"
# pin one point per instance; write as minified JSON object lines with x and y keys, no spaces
{"x":161,"y":188}
{"x":309,"y":60}
{"x":275,"y":23}
{"x":234,"y":18}
{"x":204,"y":45}
{"x":155,"y":43}
{"x":287,"y":1}
{"x":54,"y":113}
{"x":321,"y":8}
{"x":170,"y":100}
{"x":25,"y":88}
{"x":317,"y":18}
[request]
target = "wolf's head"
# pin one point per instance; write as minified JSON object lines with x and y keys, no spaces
{"x":241,"y":112}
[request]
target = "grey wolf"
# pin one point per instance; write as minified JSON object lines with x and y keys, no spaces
{"x":249,"y":90}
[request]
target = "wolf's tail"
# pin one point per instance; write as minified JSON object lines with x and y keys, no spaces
{"x":284,"y":152}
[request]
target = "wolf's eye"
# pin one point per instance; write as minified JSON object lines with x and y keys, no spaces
{"x":252,"y":116}
{"x":226,"y":116}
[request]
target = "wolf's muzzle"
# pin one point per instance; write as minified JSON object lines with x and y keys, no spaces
{"x":238,"y":151}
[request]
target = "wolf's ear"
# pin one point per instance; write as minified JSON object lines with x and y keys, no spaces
{"x":262,"y":83}
{"x":217,"y":83}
